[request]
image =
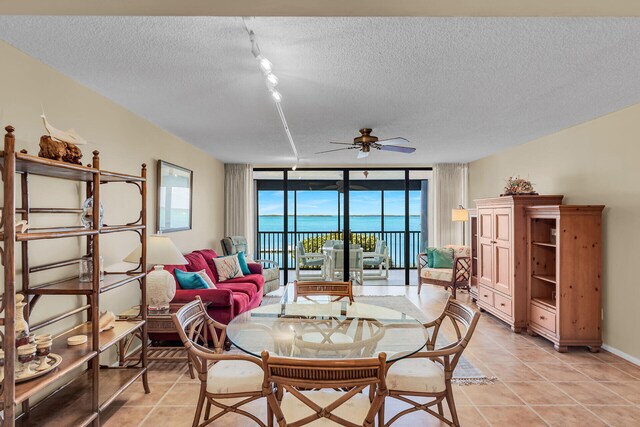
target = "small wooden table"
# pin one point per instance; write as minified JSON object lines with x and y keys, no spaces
{"x":332,"y":289}
{"x":158,"y":322}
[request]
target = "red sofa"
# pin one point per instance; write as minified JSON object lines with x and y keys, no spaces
{"x":231,"y":297}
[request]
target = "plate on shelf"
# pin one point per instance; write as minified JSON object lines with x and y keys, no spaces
{"x":53,"y":361}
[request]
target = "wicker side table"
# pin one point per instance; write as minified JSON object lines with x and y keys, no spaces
{"x":158,"y":322}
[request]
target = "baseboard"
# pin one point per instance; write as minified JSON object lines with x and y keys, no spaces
{"x":625,"y":356}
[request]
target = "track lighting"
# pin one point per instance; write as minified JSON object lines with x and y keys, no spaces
{"x":276,"y":95}
{"x":265,"y":64}
{"x":271,"y":78}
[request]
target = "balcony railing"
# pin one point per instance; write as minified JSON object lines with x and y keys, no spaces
{"x":271,"y":244}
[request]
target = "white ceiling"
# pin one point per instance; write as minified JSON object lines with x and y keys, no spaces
{"x":457,"y":88}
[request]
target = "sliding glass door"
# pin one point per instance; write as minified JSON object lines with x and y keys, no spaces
{"x":339,"y":223}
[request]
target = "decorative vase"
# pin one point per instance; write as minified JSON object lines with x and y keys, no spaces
{"x":22,"y":328}
{"x":87,"y":213}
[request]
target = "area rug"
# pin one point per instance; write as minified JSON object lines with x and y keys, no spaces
{"x":466,"y":372}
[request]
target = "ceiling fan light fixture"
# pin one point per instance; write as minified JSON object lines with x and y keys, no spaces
{"x":272,"y":79}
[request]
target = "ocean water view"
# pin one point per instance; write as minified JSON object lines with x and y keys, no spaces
{"x":271,"y":223}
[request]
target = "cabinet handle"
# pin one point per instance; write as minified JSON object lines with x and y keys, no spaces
{"x":486,"y":296}
{"x":502,"y":304}
{"x":542,"y":317}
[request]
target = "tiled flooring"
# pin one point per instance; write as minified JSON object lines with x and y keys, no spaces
{"x":536,"y":386}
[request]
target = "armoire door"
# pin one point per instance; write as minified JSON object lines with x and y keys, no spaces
{"x":485,"y":246}
{"x":502,"y":269}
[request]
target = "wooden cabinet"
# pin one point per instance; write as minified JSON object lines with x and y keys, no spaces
{"x":564,"y":274}
{"x":501,"y":252}
{"x":473,"y":222}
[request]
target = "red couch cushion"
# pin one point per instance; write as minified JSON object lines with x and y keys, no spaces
{"x":246,"y":288}
{"x":208,"y":255}
{"x":241,"y":303}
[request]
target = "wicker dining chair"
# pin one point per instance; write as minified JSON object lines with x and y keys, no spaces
{"x":428,"y":374}
{"x":222,"y":376}
{"x":299,"y":398}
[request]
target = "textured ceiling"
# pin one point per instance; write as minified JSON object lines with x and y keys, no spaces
{"x":457,"y":88}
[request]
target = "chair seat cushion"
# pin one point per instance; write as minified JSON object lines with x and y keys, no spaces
{"x":444,"y":274}
{"x":373,"y":261}
{"x":416,"y":374}
{"x":234,"y":376}
{"x":354,"y":410}
{"x":313,"y":262}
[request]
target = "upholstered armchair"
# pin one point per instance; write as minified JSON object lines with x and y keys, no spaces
{"x":379,"y":259}
{"x":455,"y":278}
{"x":233,"y":244}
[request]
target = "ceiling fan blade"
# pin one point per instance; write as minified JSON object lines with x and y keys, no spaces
{"x":337,"y":149}
{"x":393,"y":141}
{"x":397,"y":149}
{"x":342,"y":143}
{"x":363,"y":154}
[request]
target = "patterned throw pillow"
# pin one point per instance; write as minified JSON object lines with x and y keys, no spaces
{"x":228,"y":267}
{"x":206,"y":278}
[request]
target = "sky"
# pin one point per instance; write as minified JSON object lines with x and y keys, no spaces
{"x":326,"y":203}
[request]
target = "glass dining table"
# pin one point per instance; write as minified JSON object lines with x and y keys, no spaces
{"x":333,"y":330}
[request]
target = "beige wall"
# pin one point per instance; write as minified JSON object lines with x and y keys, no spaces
{"x":125,"y":142}
{"x":592,"y":163}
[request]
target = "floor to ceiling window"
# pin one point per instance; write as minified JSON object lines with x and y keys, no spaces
{"x":386,"y":206}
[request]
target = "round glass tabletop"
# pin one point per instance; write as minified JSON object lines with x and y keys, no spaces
{"x":327,"y":330}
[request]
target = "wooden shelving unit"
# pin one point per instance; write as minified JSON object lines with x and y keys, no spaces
{"x":82,"y":388}
{"x":564,"y":280}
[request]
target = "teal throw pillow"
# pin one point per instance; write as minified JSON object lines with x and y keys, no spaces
{"x":430,"y":257}
{"x":243,"y":263}
{"x":443,"y":258}
{"x":189,"y":280}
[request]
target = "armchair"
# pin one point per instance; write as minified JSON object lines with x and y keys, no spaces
{"x":379,"y":259}
{"x":428,"y":374}
{"x":356,"y":265}
{"x":455,"y":278}
{"x":308,"y":259}
{"x":234,"y":244}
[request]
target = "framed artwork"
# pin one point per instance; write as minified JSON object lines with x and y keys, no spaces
{"x":174,"y":198}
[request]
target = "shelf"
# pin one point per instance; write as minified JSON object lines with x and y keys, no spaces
{"x":73,"y":286}
{"x":546,"y":277}
{"x":119,"y":228}
{"x":106,"y":176}
{"x":35,"y":165}
{"x":547,"y":303}
{"x":71,"y":404}
{"x":548,"y":245}
{"x":110,"y":337}
{"x":73,"y":357}
{"x":54,"y":233}
{"x":113,"y":381}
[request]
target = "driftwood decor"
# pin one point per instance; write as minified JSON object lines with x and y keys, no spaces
{"x":59,"y":150}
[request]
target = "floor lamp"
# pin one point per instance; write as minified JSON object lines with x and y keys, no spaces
{"x":460,"y":214}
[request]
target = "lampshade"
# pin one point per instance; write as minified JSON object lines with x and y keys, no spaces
{"x":459,"y":214}
{"x":160,"y":251}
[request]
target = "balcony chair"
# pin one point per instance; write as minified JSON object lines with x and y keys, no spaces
{"x":296,"y":394}
{"x":336,"y":262}
{"x":311,"y":260}
{"x":227,"y":381}
{"x":455,"y":278}
{"x":379,"y":259}
{"x":234,"y":244}
{"x":428,"y":374}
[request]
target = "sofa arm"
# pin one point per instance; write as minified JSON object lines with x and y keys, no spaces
{"x":215,"y":297}
{"x":255,"y":267}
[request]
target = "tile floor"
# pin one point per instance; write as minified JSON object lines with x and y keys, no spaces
{"x":536,"y":386}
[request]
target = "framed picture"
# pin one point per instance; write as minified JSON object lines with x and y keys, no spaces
{"x":174,"y":198}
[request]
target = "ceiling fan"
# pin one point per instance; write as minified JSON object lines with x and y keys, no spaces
{"x":365,"y":142}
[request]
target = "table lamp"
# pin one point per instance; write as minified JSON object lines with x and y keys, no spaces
{"x":460,"y":214}
{"x":161,"y":285}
